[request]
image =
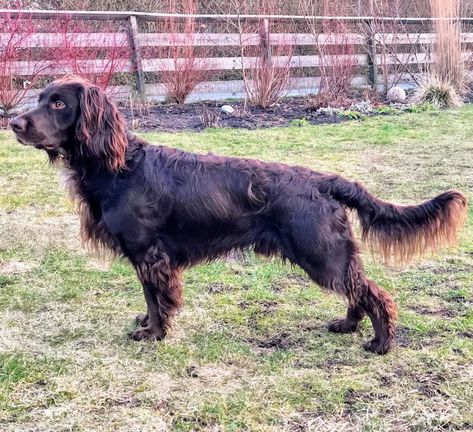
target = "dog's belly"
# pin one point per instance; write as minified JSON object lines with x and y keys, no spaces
{"x":193,"y":242}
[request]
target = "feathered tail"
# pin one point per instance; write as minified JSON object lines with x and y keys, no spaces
{"x":398,"y":231}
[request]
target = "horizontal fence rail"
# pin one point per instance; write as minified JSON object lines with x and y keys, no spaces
{"x":145,"y":55}
{"x":51,"y":40}
{"x":24,"y":68}
{"x":149,"y":16}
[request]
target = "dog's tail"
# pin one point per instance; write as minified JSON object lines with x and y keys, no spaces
{"x":398,"y":231}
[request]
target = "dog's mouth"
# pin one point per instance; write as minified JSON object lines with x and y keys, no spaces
{"x":38,"y":141}
{"x":41,"y":142}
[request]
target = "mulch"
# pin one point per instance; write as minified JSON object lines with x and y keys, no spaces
{"x":199,"y":116}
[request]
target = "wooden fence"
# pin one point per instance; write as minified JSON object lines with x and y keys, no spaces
{"x":408,"y":51}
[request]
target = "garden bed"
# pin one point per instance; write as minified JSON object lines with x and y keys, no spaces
{"x":199,"y":116}
{"x":288,"y":112}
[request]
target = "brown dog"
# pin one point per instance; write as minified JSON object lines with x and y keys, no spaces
{"x":165,"y":210}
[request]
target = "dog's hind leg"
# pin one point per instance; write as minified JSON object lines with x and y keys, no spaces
{"x":382,"y":311}
{"x":364,"y":296}
{"x":327,"y":251}
{"x":163,"y":294}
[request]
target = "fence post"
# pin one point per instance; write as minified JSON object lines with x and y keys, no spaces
{"x":371,"y":53}
{"x":264,"y":35}
{"x":136,"y":56}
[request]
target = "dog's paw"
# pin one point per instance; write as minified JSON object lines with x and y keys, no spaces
{"x":378,"y":346}
{"x":142,"y":320}
{"x":341,"y":325}
{"x":147,"y":333}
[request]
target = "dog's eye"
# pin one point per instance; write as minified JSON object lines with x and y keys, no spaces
{"x":59,"y":105}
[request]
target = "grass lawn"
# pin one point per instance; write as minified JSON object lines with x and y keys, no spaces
{"x":249,"y":351}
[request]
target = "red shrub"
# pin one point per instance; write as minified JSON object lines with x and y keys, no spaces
{"x":335,"y":49}
{"x":266,"y":78}
{"x":20,"y":65}
{"x":183,"y":69}
{"x":266,"y":49}
{"x":95,"y":51}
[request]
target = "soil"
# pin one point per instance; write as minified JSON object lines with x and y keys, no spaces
{"x":199,"y":116}
{"x":202,"y":115}
{"x":434,"y":310}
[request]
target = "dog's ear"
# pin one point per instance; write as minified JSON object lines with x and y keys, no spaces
{"x":100,"y":129}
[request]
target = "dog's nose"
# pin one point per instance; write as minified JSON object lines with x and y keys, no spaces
{"x":18,"y":124}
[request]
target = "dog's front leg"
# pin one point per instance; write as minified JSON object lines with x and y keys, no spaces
{"x":163,"y":294}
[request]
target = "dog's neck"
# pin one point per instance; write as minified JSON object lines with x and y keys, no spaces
{"x":73,"y":158}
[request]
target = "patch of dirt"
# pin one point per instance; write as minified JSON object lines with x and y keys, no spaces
{"x":462,"y":300}
{"x":466,"y":334}
{"x":218,"y":375}
{"x":268,"y":307}
{"x":387,"y":380}
{"x":235,"y":256}
{"x":199,"y":116}
{"x":433,"y":310}
{"x":192,"y":371}
{"x":429,"y":384}
{"x":291,"y":279}
{"x":405,"y":338}
{"x":217,"y":287}
{"x":352,"y":398}
{"x":128,"y":401}
{"x":284,"y":340}
{"x":315,"y":421}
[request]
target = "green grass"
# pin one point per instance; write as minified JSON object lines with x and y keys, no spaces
{"x":249,"y":351}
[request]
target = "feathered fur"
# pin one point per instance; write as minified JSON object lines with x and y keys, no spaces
{"x":401,"y":232}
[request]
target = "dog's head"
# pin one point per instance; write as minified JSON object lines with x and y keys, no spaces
{"x":75,"y":118}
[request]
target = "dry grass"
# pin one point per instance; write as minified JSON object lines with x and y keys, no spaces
{"x":448,"y":64}
{"x":250,"y":350}
{"x":437,"y":91}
